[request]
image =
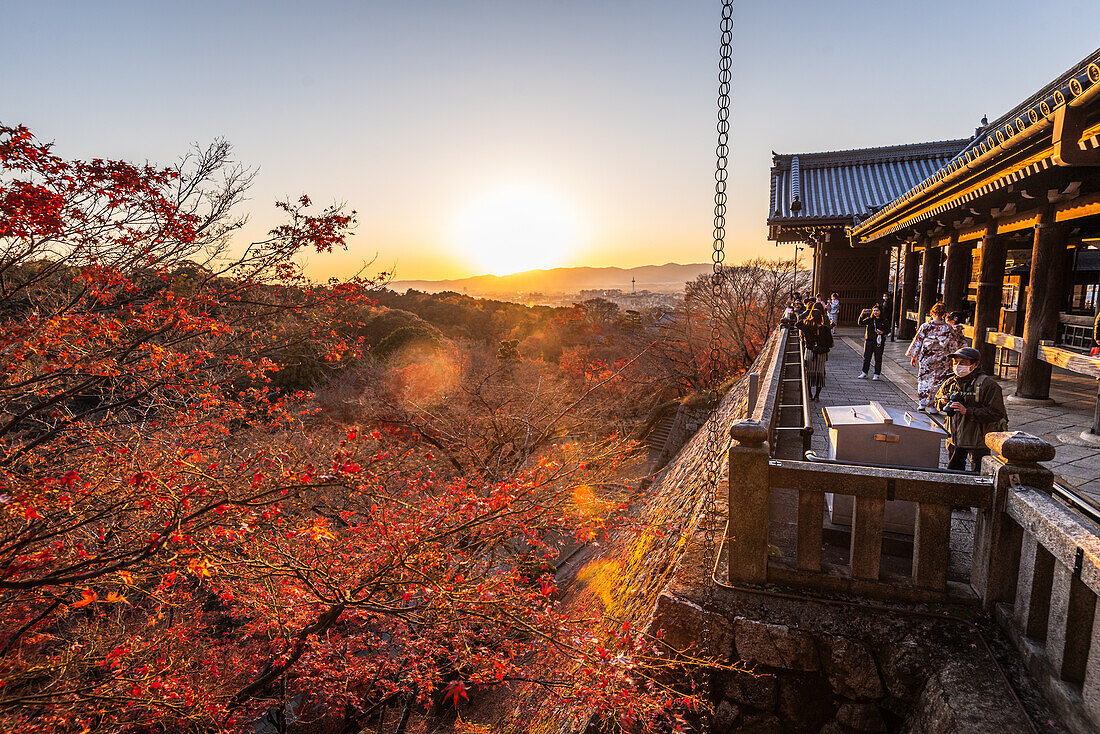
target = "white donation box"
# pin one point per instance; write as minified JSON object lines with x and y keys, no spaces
{"x":876,"y":434}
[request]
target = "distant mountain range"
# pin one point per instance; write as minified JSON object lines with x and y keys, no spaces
{"x":668,"y":278}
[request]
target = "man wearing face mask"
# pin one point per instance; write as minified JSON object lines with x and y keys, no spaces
{"x":974,"y":405}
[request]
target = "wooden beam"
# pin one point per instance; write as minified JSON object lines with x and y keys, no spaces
{"x":1082,"y":206}
{"x":1007,"y":341}
{"x":974,"y":233}
{"x":1070,"y":361}
{"x":1017,"y":222}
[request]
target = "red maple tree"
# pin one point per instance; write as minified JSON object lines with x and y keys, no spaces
{"x":184,"y":543}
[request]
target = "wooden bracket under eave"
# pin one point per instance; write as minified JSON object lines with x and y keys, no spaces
{"x":1069,"y":126}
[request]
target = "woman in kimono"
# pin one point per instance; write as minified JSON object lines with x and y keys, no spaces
{"x":935,"y":340}
{"x":817,"y":339}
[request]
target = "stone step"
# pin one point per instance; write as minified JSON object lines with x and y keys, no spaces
{"x":660,"y":433}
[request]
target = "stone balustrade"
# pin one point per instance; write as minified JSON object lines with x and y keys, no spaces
{"x":1041,"y":567}
{"x":766,"y":406}
{"x":753,"y":474}
{"x":1035,"y":561}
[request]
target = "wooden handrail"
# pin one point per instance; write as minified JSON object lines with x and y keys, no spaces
{"x":1068,"y":360}
{"x":1006,"y":341}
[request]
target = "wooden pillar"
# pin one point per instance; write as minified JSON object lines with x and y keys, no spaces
{"x":955,"y":277}
{"x":929,"y":277}
{"x":819,"y":251}
{"x":906,"y":328}
{"x":895,"y":293}
{"x":882,"y":276}
{"x":987,"y":311}
{"x":1044,"y":301}
{"x":824,"y":285}
{"x":1095,"y":430}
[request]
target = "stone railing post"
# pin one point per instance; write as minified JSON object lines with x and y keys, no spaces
{"x":997,"y":538}
{"x":747,"y":540}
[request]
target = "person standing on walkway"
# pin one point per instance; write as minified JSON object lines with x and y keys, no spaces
{"x":887,"y":307}
{"x":930,"y":353}
{"x":958,"y":338}
{"x":974,"y":405}
{"x":955,"y":318}
{"x":817,"y":338}
{"x":798,"y":307}
{"x":1096,"y":331}
{"x":834,"y":312}
{"x":874,"y":339}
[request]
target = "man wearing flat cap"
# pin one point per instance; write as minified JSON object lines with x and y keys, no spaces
{"x":974,"y":406}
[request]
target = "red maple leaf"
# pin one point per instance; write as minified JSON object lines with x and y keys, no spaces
{"x":453,"y":690}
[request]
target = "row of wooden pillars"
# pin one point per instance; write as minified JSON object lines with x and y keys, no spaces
{"x":1044,"y":294}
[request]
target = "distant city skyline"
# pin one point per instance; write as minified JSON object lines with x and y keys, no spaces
{"x":591,"y":124}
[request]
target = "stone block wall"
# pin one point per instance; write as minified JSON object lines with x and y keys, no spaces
{"x":687,"y":423}
{"x":800,"y":681}
{"x":798,"y":666}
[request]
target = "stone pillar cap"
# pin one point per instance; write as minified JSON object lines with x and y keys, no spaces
{"x":1019,"y":447}
{"x":751,"y":433}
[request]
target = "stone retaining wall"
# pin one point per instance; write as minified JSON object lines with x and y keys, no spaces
{"x":799,"y":665}
{"x":686,"y":424}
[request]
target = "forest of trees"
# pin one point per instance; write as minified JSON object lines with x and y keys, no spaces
{"x":231,"y":495}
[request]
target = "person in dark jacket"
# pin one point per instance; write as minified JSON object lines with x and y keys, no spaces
{"x":887,"y":306}
{"x":798,"y":308}
{"x":817,"y":338}
{"x":974,"y":405}
{"x":874,"y":339}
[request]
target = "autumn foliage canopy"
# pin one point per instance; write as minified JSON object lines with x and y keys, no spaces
{"x":187,"y":543}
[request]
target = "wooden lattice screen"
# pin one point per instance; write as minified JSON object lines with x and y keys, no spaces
{"x":852,"y":275}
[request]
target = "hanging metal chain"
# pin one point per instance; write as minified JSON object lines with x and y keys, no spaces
{"x":715,"y":438}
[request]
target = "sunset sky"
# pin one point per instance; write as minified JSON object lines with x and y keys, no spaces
{"x":499,"y":135}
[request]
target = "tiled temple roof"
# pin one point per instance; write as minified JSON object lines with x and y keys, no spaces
{"x":847,"y":185}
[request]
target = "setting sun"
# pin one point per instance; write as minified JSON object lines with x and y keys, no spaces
{"x":516,"y":228}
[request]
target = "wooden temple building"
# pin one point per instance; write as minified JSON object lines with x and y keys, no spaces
{"x":816,"y":198}
{"x":1003,"y":226}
